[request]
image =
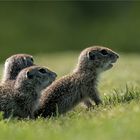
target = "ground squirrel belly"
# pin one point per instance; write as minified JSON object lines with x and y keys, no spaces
{"x":22,"y":99}
{"x":65,"y":93}
{"x":14,"y":64}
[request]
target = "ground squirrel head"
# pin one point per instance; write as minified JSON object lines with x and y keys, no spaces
{"x":14,"y":64}
{"x":97,"y":58}
{"x":34,"y":78}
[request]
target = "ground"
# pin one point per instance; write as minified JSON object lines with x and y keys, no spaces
{"x":117,"y":118}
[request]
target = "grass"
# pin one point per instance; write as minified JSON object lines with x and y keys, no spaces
{"x":117,"y":118}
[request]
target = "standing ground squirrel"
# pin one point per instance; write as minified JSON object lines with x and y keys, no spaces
{"x":22,"y":99}
{"x":14,"y":64}
{"x":65,"y":93}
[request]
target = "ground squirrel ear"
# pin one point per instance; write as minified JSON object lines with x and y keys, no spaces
{"x":91,"y":56}
{"x":29,"y":75}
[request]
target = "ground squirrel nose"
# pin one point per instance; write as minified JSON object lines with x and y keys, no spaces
{"x":54,"y":75}
{"x":117,"y":56}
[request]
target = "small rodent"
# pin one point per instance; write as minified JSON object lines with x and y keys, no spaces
{"x":65,"y":93}
{"x":22,"y":99}
{"x":14,"y":64}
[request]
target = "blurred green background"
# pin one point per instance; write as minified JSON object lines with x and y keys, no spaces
{"x":45,"y":27}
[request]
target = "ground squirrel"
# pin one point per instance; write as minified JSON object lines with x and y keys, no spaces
{"x":65,"y":93}
{"x":22,"y":99}
{"x":14,"y":64}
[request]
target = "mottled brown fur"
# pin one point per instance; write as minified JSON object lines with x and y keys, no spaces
{"x":65,"y":93}
{"x":21,"y":100}
{"x":13,"y":65}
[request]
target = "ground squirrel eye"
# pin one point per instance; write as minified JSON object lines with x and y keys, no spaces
{"x":103,"y":52}
{"x":43,"y":71}
{"x":32,"y":59}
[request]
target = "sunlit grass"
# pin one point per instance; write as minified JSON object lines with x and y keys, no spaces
{"x":118,"y":117}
